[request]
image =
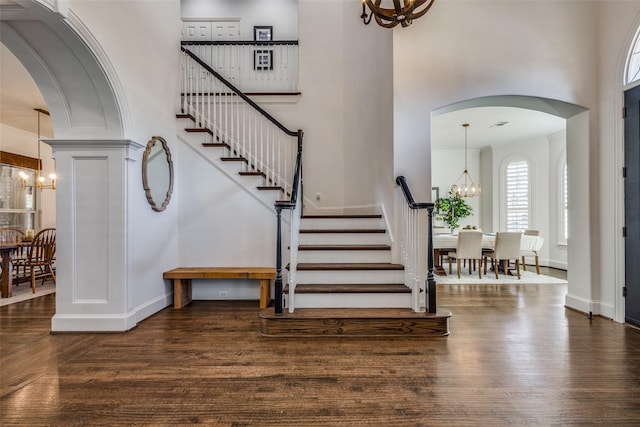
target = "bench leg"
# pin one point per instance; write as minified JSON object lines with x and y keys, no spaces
{"x":181,"y":292}
{"x":265,"y":292}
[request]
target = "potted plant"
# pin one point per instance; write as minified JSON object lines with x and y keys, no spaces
{"x":452,"y":209}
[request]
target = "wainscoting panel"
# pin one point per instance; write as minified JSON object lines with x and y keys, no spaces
{"x":91,"y":229}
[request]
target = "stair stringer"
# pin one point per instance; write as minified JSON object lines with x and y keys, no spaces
{"x":249,"y":184}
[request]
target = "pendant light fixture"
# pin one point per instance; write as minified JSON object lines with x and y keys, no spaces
{"x":40,"y":181}
{"x":464,"y":185}
{"x":401,"y":12}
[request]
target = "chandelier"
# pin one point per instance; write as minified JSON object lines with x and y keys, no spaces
{"x":40,"y":181}
{"x":464,"y":185}
{"x":403,"y":12}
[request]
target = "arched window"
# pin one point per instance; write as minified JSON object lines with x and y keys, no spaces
{"x":632,"y":73}
{"x":563,"y":236}
{"x":517,"y":195}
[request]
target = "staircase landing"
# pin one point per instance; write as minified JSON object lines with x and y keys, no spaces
{"x":364,"y":322}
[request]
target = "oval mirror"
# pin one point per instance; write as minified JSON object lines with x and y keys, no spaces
{"x":157,"y":173}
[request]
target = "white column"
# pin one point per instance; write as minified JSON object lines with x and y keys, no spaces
{"x":92,"y":217}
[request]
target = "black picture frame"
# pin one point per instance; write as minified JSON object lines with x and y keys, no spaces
{"x":263,"y":33}
{"x":263,"y":60}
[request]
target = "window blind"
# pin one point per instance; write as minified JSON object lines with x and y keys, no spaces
{"x":517,"y":184}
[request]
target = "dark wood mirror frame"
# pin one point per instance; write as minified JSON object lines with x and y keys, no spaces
{"x":148,"y":181}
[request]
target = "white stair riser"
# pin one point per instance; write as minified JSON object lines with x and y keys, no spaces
{"x":343,"y":238}
{"x":344,"y":256}
{"x":377,"y":300}
{"x":350,"y":276}
{"x":341,"y":223}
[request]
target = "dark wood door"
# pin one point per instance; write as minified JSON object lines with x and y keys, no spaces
{"x":632,"y":204}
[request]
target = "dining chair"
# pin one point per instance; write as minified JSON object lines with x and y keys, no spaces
{"x":10,"y":235}
{"x":505,"y":248}
{"x":38,"y":258}
{"x":530,"y":253}
{"x":469,"y":248}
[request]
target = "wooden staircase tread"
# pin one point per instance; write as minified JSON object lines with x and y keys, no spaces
{"x":234,"y":159}
{"x":215,"y":144}
{"x":269,"y":187}
{"x":251,"y":173}
{"x":346,"y":216}
{"x":352,"y":313}
{"x":199,"y":130}
{"x":354,"y":322}
{"x":344,"y":230}
{"x":185,"y":116}
{"x":308,"y":266}
{"x":349,"y":288}
{"x":344,"y":247}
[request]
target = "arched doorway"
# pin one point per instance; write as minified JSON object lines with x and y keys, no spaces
{"x":576,"y":118}
{"x":89,"y":117}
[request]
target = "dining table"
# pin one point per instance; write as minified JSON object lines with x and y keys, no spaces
{"x":7,"y":249}
{"x":445,"y":242}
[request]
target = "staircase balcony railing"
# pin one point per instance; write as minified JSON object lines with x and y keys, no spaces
{"x":418,"y":267}
{"x":262,"y":143}
{"x":254,"y":67}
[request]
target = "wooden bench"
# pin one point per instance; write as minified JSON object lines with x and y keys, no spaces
{"x":182,"y":277}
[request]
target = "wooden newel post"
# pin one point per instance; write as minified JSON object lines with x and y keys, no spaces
{"x":431,"y":282}
{"x":278,"y":282}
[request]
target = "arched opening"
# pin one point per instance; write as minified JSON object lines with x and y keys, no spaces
{"x":82,"y":95}
{"x":571,"y":123}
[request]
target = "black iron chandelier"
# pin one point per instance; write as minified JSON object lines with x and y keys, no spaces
{"x":403,"y":12}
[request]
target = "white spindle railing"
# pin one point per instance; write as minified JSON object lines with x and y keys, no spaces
{"x":235,"y":120}
{"x":294,"y":225}
{"x":251,"y":66}
{"x":416,"y":248}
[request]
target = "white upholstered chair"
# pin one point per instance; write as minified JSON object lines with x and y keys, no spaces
{"x":469,"y":248}
{"x":505,"y":248}
{"x":527,"y":253}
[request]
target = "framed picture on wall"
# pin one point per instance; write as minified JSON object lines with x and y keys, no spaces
{"x":263,"y":60}
{"x":263,"y":33}
{"x":435,"y":195}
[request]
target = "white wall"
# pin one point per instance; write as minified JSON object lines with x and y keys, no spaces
{"x":447,"y":166}
{"x":557,"y":157}
{"x":142,"y":56}
{"x":536,"y":152}
{"x":282,"y":15}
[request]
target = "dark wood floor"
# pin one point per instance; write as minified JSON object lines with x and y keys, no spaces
{"x":515,"y":356}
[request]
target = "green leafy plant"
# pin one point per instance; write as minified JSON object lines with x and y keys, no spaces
{"x":452,"y":209}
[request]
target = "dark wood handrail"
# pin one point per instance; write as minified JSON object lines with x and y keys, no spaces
{"x":430,"y":285}
{"x":402,"y":182}
{"x":240,"y":93}
{"x":237,"y":42}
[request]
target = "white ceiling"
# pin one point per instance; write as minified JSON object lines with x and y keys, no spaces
{"x":19,"y":95}
{"x":520,"y":124}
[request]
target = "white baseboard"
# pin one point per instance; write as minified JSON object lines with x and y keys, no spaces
{"x":93,"y":322}
{"x":578,"y":303}
{"x":152,"y":307}
{"x":562,"y":265}
{"x":109,"y":322}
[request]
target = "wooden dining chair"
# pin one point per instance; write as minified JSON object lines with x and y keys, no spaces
{"x":506,"y":248}
{"x":469,"y":248}
{"x":38,"y":259}
{"x":10,"y":235}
